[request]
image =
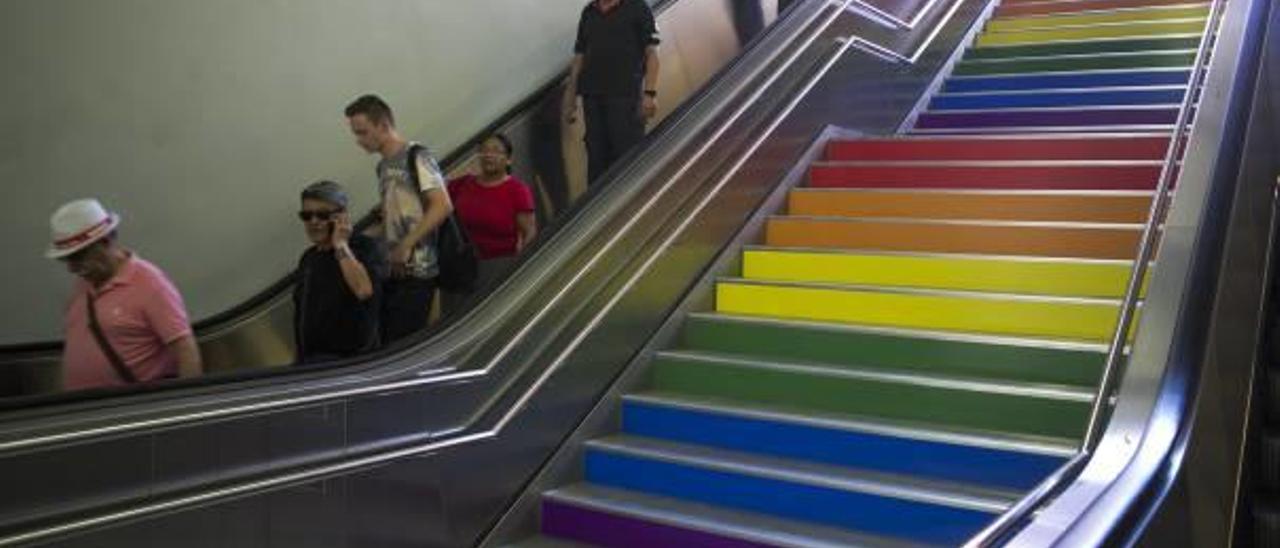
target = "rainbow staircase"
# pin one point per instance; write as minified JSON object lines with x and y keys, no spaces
{"x":917,"y":341}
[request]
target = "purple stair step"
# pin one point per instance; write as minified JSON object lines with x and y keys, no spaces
{"x":1048,"y":118}
{"x":605,"y":529}
{"x":602,"y":516}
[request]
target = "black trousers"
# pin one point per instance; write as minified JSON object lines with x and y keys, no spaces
{"x":406,"y":307}
{"x":614,"y":125}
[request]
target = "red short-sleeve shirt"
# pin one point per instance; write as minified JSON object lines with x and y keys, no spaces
{"x":488,"y":213}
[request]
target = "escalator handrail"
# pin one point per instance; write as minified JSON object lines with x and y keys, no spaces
{"x":1150,"y":231}
{"x":500,"y":420}
{"x":1142,"y":443}
{"x":1069,"y":470}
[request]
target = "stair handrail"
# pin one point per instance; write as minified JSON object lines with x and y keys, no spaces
{"x":1150,"y":230}
{"x":1120,"y":336}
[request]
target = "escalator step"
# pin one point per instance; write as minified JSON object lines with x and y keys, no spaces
{"x":1268,"y":468}
{"x":1266,"y":523}
{"x":1273,"y":395}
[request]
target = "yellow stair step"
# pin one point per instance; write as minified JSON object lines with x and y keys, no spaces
{"x":1057,"y":317}
{"x":1028,"y":275}
{"x":1129,"y":30}
{"x":1010,"y":24}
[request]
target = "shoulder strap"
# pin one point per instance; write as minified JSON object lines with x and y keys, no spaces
{"x":116,"y":362}
{"x":414,"y":177}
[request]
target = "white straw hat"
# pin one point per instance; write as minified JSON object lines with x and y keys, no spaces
{"x":78,"y":224}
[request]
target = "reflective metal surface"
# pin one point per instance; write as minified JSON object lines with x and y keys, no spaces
{"x":329,"y":433}
{"x":1156,"y":391}
{"x":845,"y":91}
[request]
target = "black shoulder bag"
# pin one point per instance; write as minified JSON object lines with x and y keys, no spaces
{"x":457,"y":255}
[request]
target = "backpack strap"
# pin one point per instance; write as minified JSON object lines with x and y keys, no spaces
{"x":114,"y":358}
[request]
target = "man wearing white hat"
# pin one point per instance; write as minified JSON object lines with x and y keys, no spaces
{"x":125,"y":323}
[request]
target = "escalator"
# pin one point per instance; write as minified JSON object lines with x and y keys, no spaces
{"x":254,"y":338}
{"x":276,"y":454}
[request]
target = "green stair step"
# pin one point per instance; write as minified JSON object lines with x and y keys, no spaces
{"x":1066,"y":64}
{"x":1008,"y":408}
{"x":1085,"y":48}
{"x":1023,"y":360}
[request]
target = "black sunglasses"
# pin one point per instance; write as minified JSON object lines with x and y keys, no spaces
{"x":321,"y":215}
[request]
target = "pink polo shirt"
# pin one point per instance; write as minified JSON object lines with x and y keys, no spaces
{"x":140,"y":311}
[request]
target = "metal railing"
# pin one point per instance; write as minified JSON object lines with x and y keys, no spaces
{"x":1128,"y":308}
{"x":1155,"y":218}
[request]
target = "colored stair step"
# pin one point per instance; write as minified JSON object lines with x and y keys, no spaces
{"x":1022,"y":147}
{"x":615,"y":518}
{"x":998,"y":358}
{"x":1077,"y":63}
{"x":1084,"y":48}
{"x":826,"y":497}
{"x":1040,"y":7}
{"x":989,"y":175}
{"x":1094,"y":117}
{"x":1024,"y":275}
{"x":1008,"y":408}
{"x":1067,"y":81}
{"x":1055,"y":317}
{"x":1095,"y":241}
{"x":1129,"y":30}
{"x":1076,"y":19}
{"x":1008,"y":463}
{"x":1087,"y":207}
{"x":1124,"y":207}
{"x":1082,"y":98}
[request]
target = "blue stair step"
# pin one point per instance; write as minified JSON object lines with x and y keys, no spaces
{"x":961,"y":457}
{"x":1082,"y":98}
{"x":896,"y":507}
{"x":1068,"y":81}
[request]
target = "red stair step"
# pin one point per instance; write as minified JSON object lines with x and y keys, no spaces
{"x":1082,"y":147}
{"x":986,"y":175}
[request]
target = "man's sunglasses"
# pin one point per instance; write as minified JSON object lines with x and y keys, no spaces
{"x":306,"y":216}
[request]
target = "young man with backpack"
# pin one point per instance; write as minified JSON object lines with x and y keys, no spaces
{"x":413,"y":204}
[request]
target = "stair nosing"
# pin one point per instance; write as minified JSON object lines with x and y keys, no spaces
{"x":1091,"y":40}
{"x":987,"y":163}
{"x":864,"y":424}
{"x":964,"y":131}
{"x":1068,"y":73}
{"x":1050,"y":28}
{"x":1067,"y":225}
{"x":1106,"y":54}
{"x":1089,"y":108}
{"x":980,"y":191}
{"x":928,"y":254}
{"x":1083,"y":91}
{"x":853,"y":372}
{"x":1048,"y":136}
{"x":769,"y":468}
{"x":1128,"y":9}
{"x":590,"y":496}
{"x":949,"y":336}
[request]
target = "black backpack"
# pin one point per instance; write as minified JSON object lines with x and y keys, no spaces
{"x":454,"y":250}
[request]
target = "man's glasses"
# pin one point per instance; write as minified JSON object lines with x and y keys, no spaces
{"x":321,"y":215}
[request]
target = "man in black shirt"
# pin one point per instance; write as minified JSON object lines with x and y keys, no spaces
{"x":615,"y":70}
{"x":339,"y":280}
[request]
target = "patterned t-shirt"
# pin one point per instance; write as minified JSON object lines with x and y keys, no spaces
{"x":402,"y":205}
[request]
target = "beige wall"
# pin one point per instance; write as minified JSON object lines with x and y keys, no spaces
{"x":199,"y":120}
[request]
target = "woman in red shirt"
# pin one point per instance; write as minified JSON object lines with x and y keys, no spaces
{"x":495,"y":208}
